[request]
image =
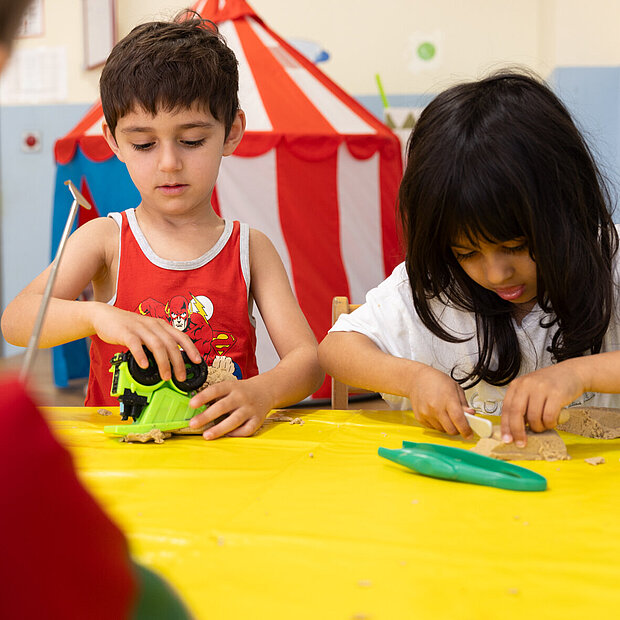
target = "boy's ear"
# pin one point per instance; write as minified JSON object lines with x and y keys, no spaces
{"x":111,"y":140}
{"x":235,"y":134}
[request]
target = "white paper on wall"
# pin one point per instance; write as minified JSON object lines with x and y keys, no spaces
{"x":33,"y":20}
{"x":34,"y":76}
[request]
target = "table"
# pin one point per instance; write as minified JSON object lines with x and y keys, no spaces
{"x":306,"y":521}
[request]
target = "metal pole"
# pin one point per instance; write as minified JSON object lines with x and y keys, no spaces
{"x":33,"y":344}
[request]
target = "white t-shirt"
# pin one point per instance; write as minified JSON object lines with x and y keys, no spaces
{"x":389,"y":319}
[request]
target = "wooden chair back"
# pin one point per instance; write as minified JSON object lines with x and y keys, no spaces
{"x":341,"y":391}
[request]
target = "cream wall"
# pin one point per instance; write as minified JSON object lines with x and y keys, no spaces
{"x":364,"y":37}
{"x":469,"y":36}
{"x":586,"y":33}
{"x":63,"y":27}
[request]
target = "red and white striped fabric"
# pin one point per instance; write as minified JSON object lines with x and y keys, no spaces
{"x":315,"y":170}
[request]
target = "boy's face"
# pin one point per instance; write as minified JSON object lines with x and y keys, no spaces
{"x":173,"y":158}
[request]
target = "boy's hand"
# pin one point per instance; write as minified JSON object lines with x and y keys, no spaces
{"x":538,"y":398}
{"x":132,"y":330}
{"x":245,"y":402}
{"x":438,"y":402}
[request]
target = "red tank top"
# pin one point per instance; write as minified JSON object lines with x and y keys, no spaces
{"x":207,"y":298}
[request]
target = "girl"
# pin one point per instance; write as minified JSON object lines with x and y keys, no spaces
{"x":507,"y":292}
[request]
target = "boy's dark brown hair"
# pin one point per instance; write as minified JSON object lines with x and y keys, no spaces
{"x":171,"y":66}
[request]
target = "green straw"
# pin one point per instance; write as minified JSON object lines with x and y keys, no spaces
{"x":381,"y":91}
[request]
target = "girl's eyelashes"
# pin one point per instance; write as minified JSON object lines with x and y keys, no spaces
{"x":514,"y":249}
{"x":461,"y":256}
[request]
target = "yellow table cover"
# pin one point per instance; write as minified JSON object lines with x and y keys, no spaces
{"x":307,"y":521}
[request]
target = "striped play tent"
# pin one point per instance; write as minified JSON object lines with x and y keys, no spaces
{"x":315,"y":171}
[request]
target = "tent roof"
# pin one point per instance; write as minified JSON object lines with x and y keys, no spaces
{"x":221,"y":10}
{"x":284,"y":95}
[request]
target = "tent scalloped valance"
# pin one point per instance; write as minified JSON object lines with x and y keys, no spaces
{"x":304,"y":147}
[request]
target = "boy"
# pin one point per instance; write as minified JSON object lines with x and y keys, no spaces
{"x":176,"y":275}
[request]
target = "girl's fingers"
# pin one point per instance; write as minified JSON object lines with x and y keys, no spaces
{"x":516,"y":423}
{"x":550,"y":415}
{"x":427,"y":421}
{"x":439,"y":422}
{"x":447,"y":424}
{"x":448,"y":420}
{"x":422,"y":420}
{"x":436,"y":424}
{"x":513,"y":420}
{"x":463,"y":401}
{"x":536,"y":403}
{"x":462,"y":426}
{"x":457,"y":416}
{"x":534,"y":418}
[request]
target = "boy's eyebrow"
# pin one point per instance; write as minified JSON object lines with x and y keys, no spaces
{"x":147,"y":129}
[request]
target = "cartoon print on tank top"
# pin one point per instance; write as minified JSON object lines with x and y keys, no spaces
{"x":193,"y":314}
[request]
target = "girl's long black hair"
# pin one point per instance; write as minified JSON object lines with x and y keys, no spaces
{"x":498,"y":159}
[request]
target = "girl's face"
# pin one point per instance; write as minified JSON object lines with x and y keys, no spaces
{"x":505,"y":268}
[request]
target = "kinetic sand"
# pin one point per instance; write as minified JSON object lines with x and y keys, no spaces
{"x":545,"y":446}
{"x":595,"y":422}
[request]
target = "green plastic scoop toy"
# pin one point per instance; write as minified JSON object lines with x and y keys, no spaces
{"x":464,"y":466}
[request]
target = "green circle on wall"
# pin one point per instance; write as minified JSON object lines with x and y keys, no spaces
{"x":426,"y":50}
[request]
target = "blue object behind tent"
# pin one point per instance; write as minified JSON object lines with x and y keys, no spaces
{"x":111,"y":189}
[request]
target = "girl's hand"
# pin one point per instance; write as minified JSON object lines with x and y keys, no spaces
{"x":438,"y":402}
{"x":538,"y":398}
{"x":132,"y":330}
{"x":246,"y":403}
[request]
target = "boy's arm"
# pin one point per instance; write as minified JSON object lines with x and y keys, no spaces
{"x":296,"y":375}
{"x":89,"y":256}
{"x":84,"y":260}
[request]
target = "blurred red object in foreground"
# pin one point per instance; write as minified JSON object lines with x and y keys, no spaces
{"x":61,"y":556}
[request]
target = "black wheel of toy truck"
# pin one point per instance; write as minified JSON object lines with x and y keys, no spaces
{"x":144,"y":376}
{"x":196,"y":375}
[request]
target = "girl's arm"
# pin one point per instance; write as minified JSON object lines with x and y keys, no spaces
{"x":297,"y":374}
{"x":436,"y":400}
{"x":89,"y":256}
{"x":539,"y":396}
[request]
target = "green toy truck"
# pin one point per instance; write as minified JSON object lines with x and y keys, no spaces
{"x":152,"y":402}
